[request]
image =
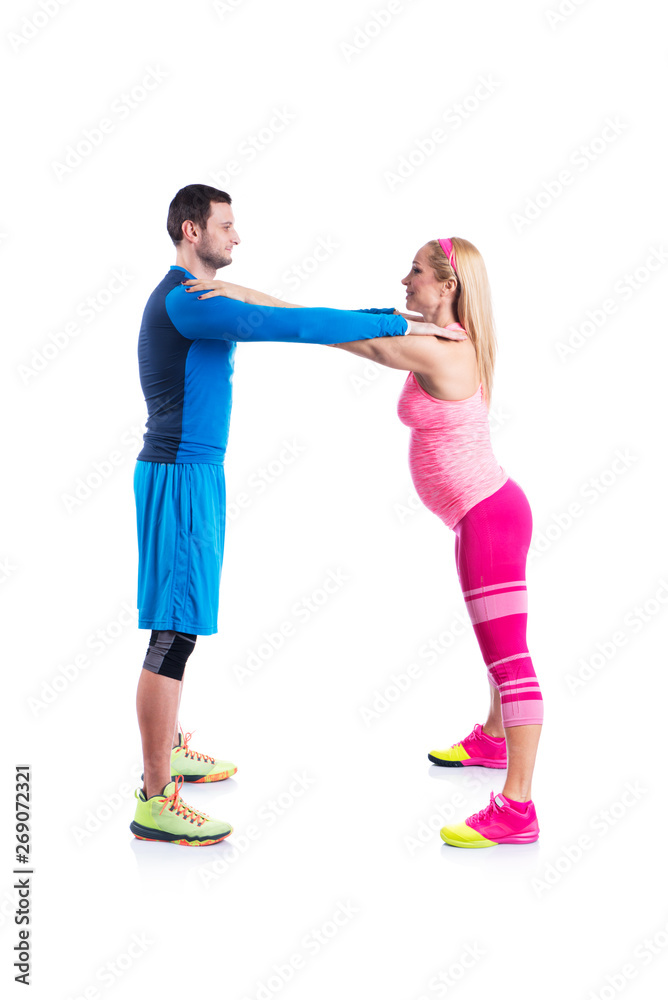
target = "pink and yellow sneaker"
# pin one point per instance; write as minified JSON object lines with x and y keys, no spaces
{"x":477,"y":748}
{"x":501,"y":822}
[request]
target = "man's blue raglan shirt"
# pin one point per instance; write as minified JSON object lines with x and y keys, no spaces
{"x":186,"y":360}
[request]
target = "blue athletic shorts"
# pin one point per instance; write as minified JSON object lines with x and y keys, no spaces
{"x":180,"y":535}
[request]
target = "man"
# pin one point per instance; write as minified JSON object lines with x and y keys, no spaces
{"x":186,"y":355}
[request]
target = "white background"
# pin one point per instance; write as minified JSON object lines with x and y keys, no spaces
{"x":551,"y":919}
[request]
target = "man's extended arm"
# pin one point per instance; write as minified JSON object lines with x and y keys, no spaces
{"x":221,"y":318}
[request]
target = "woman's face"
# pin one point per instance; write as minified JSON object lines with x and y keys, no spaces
{"x":423,"y":291}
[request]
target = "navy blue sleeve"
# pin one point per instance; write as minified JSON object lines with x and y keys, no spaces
{"x":220,"y":318}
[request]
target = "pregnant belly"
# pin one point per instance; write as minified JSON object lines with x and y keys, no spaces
{"x":434,"y":480}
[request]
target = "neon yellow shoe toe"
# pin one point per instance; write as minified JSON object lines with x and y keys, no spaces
{"x":453,"y":754}
{"x":461,"y":835}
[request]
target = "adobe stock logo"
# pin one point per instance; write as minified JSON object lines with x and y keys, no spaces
{"x":120,"y":110}
{"x":592,"y":491}
{"x":453,"y":117}
{"x":634,"y":621}
{"x":252,"y":145}
{"x":623,"y":290}
{"x":579,"y":162}
{"x":223,"y":7}
{"x":365,"y":34}
{"x":565,"y":9}
{"x":34,"y":23}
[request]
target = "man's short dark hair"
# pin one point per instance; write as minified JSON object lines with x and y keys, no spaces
{"x":192,"y":202}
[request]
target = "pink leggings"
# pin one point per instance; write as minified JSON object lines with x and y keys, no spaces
{"x":491,"y":545}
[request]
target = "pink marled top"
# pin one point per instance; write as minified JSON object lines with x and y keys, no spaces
{"x":450,"y":456}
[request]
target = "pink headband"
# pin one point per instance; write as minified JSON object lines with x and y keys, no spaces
{"x":449,"y":251}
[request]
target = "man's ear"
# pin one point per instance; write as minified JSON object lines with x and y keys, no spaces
{"x":189,"y":230}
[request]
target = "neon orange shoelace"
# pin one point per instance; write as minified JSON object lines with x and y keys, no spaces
{"x":193,"y":753}
{"x":181,"y":808}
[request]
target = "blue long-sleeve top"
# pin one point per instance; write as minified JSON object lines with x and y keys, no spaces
{"x":186,"y":360}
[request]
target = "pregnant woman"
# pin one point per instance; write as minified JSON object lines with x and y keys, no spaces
{"x":445,"y":401}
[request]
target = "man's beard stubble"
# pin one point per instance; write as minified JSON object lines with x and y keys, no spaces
{"x":210,"y":257}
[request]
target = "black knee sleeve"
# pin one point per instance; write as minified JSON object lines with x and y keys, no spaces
{"x":168,"y":652}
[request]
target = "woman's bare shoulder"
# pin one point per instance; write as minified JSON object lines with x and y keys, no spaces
{"x":453,"y":373}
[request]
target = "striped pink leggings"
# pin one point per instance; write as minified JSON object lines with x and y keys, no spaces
{"x":491,"y":545}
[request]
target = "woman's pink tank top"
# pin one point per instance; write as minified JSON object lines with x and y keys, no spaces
{"x":450,"y":456}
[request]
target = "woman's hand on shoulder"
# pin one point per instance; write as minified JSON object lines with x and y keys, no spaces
{"x":420,"y":328}
{"x":210,"y":287}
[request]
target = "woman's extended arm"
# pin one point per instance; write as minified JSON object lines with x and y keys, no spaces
{"x":422,"y":355}
{"x":214,"y":286}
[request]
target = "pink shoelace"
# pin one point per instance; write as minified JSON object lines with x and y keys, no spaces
{"x":485,"y":813}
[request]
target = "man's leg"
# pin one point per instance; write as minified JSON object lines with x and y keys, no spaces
{"x":157,"y":708}
{"x":169,"y":588}
{"x":158,"y":696}
{"x":161,"y":813}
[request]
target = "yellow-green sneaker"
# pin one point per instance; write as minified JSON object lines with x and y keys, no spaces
{"x":196,"y":766}
{"x":167,"y":817}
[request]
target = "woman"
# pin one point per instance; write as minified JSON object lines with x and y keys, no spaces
{"x":445,"y":401}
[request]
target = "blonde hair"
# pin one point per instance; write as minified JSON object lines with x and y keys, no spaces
{"x":473,"y":301}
